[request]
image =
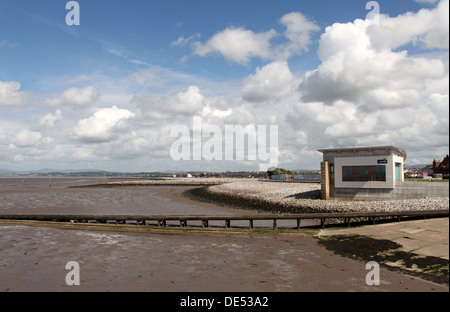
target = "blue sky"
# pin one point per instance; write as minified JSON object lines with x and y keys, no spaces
{"x":112,"y":32}
{"x":106,"y":93}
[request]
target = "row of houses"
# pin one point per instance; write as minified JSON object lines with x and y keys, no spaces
{"x":439,"y":169}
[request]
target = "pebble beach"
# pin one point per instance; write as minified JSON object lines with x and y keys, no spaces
{"x":282,"y":197}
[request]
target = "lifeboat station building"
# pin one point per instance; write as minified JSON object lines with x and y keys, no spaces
{"x":361,"y":172}
{"x":371,"y":173}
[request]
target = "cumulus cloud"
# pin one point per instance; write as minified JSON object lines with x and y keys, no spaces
{"x":299,"y":30}
{"x":428,"y":27}
{"x":239,"y":45}
{"x":26,"y":143}
{"x":189,"y":102}
{"x":50,"y":119}
{"x":100,"y":126}
{"x":74,"y":96}
{"x":271,"y":81}
{"x":27,"y":138}
{"x":10,"y":94}
{"x":369,"y":90}
{"x":353,"y":70}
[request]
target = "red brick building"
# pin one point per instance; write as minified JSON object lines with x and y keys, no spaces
{"x":441,"y":166}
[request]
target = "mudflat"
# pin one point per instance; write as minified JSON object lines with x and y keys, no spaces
{"x":34,"y":258}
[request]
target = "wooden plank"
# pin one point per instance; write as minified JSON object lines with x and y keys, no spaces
{"x":243,"y":217}
{"x":161,"y":220}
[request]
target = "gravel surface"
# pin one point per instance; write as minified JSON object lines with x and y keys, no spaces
{"x":304,"y":197}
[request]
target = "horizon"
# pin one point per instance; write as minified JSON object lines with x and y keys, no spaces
{"x":109,"y":92}
{"x":93,"y":170}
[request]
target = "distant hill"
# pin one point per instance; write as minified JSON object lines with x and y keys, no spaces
{"x":419,"y":166}
{"x":50,"y":170}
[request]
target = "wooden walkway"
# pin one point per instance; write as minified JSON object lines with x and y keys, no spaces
{"x":334,"y":219}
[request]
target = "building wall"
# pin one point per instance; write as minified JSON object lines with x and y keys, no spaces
{"x":340,"y":162}
{"x":393,"y":187}
{"x":402,"y":190}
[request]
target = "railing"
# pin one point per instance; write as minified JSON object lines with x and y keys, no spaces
{"x":345,"y":217}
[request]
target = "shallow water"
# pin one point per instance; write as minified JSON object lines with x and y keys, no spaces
{"x":34,"y":196}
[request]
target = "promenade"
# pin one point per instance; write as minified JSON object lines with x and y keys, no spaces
{"x":428,"y":237}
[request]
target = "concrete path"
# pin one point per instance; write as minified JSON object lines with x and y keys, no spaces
{"x":423,"y":237}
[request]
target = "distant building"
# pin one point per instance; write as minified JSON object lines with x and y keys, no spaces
{"x":441,"y":167}
{"x":361,"y":171}
{"x":281,"y":177}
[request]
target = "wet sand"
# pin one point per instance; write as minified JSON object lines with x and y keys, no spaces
{"x":34,"y":258}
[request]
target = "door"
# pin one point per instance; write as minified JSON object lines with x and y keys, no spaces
{"x":398,"y":172}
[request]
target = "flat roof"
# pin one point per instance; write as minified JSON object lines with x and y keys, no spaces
{"x":369,"y":148}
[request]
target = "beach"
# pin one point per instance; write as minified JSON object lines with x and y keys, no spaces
{"x":33,"y":258}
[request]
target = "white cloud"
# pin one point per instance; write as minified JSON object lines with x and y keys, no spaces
{"x":6,"y":43}
{"x":74,"y":96}
{"x":428,"y":26}
{"x":240,"y":116}
{"x":30,"y":143}
{"x":353,"y":70}
{"x":367,"y":91}
{"x":10,"y":94}
{"x":100,"y":126}
{"x":189,"y":102}
{"x":272,"y":81}
{"x":299,"y":30}
{"x":181,"y":41}
{"x":238,"y":45}
{"x":27,"y":138}
{"x":50,"y":119}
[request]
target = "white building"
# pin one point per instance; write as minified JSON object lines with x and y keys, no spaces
{"x":361,"y":171}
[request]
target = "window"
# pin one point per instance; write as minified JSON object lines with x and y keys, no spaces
{"x":364,"y":173}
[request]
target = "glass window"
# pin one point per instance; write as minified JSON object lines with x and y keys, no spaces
{"x":363,"y":173}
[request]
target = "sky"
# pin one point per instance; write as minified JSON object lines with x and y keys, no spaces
{"x":110,"y":92}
